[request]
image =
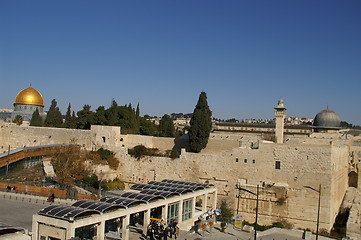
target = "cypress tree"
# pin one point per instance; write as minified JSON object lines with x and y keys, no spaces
{"x":54,"y":117}
{"x":137,"y":112}
{"x":200,"y":125}
{"x":68,"y":117}
{"x":36,"y":119}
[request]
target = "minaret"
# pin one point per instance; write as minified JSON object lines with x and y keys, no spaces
{"x":280,"y":114}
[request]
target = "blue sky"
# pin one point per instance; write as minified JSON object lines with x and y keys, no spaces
{"x":244,"y":54}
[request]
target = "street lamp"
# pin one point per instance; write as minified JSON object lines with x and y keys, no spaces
{"x":256,"y":194}
{"x":319,"y":204}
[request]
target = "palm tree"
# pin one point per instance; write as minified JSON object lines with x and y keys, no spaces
{"x":18,"y":120}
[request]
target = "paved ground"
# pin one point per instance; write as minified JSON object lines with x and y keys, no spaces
{"x":232,"y":234}
{"x":17,"y":210}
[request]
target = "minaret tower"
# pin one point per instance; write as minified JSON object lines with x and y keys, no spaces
{"x":280,"y":114}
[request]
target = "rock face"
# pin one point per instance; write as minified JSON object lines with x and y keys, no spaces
{"x":353,"y":228}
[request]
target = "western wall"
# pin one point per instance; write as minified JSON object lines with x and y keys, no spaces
{"x":280,"y":169}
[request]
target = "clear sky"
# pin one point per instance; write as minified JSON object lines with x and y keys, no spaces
{"x":244,"y":54}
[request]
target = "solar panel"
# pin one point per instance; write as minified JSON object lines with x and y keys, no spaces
{"x":68,"y":213}
{"x":95,"y":205}
{"x":122,"y":201}
{"x":159,"y":193}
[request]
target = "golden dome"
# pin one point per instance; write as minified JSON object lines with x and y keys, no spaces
{"x":29,"y":96}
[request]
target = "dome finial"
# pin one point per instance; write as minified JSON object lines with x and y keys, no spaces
{"x":31,"y":85}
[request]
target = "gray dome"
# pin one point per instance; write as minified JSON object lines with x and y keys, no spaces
{"x":327,"y":118}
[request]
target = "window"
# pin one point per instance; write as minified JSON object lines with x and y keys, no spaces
{"x":245,"y":160}
{"x":236,"y":159}
{"x":278,"y":165}
{"x":253,"y":161}
{"x":173,"y":212}
{"x":187,"y":209}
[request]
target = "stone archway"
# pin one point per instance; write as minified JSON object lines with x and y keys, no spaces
{"x":352,"y":179}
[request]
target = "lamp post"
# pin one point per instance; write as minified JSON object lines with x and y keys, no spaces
{"x":318,"y":208}
{"x":256,"y":194}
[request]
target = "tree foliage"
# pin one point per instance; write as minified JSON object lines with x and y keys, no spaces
{"x":36,"y":119}
{"x":70,"y":120}
{"x":53,"y":117}
{"x":200,"y":125}
{"x":18,"y":120}
{"x":166,"y":127}
{"x":126,"y":117}
{"x":85,"y":117}
{"x":69,"y":166}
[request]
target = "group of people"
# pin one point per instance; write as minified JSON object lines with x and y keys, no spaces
{"x":158,"y":231}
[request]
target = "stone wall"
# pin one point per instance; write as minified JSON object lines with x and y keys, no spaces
{"x":22,"y":136}
{"x":282,"y":192}
{"x":281,"y":170}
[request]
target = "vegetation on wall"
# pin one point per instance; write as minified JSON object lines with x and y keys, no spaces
{"x":141,"y":151}
{"x":69,"y":166}
{"x":104,"y":157}
{"x":201,"y":125}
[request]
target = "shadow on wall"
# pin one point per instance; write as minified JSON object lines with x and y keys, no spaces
{"x":181,"y":142}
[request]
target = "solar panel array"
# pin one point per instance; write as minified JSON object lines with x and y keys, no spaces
{"x":148,"y":192}
{"x":171,"y":186}
{"x":68,"y":213}
{"x":96,"y":205}
{"x":122,"y":201}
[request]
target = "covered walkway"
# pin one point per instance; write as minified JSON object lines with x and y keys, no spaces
{"x":115,"y":215}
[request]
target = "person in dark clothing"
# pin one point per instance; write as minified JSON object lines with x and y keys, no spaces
{"x":165,"y":233}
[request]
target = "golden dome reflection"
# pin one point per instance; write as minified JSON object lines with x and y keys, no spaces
{"x":29,"y":96}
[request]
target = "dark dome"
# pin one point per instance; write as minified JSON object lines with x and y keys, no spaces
{"x":327,"y":118}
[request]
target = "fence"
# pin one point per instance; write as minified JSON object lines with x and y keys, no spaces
{"x":42,"y":191}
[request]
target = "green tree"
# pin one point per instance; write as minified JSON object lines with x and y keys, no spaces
{"x":36,"y":119}
{"x":18,"y":120}
{"x":147,"y":127}
{"x":200,"y":125}
{"x":100,"y":116}
{"x":112,"y":114}
{"x":54,"y":117}
{"x":166,"y":127}
{"x":85,"y":117}
{"x":70,"y":120}
{"x":137,"y":112}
